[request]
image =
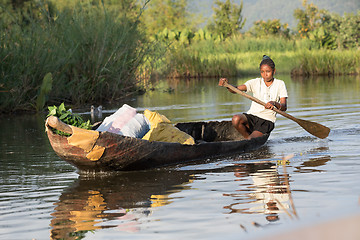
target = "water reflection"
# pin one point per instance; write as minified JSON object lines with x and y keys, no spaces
{"x":312,"y":164}
{"x":117,"y":201}
{"x":268,"y":192}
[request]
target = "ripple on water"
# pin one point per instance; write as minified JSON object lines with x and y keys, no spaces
{"x":232,"y":197}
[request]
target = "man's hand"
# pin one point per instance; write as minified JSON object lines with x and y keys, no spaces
{"x":222,"y":81}
{"x":271,"y":105}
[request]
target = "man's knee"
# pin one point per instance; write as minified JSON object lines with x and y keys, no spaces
{"x":256,"y":134}
{"x":239,"y":119}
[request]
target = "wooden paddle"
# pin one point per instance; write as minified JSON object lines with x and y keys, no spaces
{"x":313,"y":128}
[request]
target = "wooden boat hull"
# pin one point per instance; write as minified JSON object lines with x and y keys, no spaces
{"x":126,"y":153}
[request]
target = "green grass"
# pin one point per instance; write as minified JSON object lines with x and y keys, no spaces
{"x":241,"y":56}
{"x":325,"y":62}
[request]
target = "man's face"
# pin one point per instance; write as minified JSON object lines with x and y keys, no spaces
{"x":267,"y":73}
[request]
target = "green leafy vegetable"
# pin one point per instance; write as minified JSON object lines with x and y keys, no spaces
{"x":68,"y":117}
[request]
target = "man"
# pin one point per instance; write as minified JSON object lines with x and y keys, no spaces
{"x":260,"y":120}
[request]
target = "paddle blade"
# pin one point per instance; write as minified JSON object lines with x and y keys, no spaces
{"x":313,"y":128}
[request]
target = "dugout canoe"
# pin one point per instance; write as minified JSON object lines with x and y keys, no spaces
{"x":213,"y":139}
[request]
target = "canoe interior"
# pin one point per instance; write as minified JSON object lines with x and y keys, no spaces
{"x":211,"y":131}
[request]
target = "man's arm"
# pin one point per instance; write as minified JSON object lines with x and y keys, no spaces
{"x":240,"y":87}
{"x":282,"y":105}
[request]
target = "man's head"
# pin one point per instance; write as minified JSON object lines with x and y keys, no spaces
{"x":267,"y":68}
{"x":266,"y":60}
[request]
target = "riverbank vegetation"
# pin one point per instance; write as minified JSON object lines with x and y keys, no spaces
{"x":81,"y":52}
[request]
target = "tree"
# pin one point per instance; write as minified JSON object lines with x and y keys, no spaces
{"x":349,"y":31}
{"x":309,"y":19}
{"x":170,"y":14}
{"x":124,"y":8}
{"x":328,"y":30}
{"x":273,"y":27}
{"x":227,"y":19}
{"x":20,"y":12}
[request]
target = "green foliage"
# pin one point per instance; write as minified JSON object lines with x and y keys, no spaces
{"x":323,"y":37}
{"x":270,"y":28}
{"x":166,"y":14}
{"x":327,"y":30}
{"x":44,"y":91}
{"x":68,"y":117}
{"x":98,"y":50}
{"x":227,"y":20}
{"x":185,"y":37}
{"x":326,"y":62}
{"x":20,"y":12}
{"x":309,"y":18}
{"x":210,"y":58}
{"x":186,"y":63}
{"x":337,"y":32}
{"x":93,"y":55}
{"x":349,"y":31}
{"x":242,"y":55}
{"x":204,"y":34}
{"x":124,"y":8}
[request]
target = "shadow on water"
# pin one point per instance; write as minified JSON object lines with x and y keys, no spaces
{"x":312,"y":164}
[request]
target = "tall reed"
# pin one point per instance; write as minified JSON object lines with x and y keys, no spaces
{"x":241,"y":56}
{"x":188,"y":64}
{"x":326,"y":62}
{"x":236,"y":56}
{"x":93,"y":55}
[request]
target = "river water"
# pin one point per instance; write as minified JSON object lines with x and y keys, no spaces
{"x":245,"y":196}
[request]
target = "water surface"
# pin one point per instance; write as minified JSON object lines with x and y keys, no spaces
{"x":242,"y":196}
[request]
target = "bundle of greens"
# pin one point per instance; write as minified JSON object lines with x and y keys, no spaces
{"x":68,"y":117}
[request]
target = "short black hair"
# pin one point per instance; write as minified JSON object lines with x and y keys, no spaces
{"x":267,"y":61}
